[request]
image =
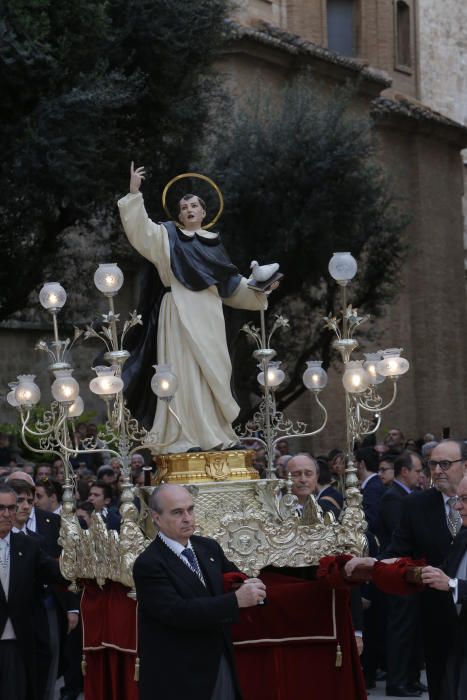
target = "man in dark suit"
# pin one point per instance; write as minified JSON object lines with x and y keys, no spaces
{"x":367,"y":464}
{"x":23,"y":568}
{"x":450,"y":581}
{"x":100,"y":495}
{"x":403,"y":640}
{"x":426,"y":530}
{"x":184,"y":614}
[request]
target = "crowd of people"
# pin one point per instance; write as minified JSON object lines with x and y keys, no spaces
{"x":48,"y":619}
{"x":398,"y":632}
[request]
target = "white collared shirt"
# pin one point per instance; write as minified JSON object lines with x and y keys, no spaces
{"x":177,"y":549}
{"x":31,"y":524}
{"x":364,"y":483}
{"x":8,"y":631}
{"x":175,"y":546}
{"x":23,"y":529}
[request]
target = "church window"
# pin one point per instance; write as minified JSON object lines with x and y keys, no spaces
{"x":403,"y":43}
{"x":342,"y":26}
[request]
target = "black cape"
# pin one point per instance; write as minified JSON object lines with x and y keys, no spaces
{"x":198,"y":263}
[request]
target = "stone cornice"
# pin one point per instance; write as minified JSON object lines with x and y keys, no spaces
{"x":271,"y":36}
{"x":398,"y":105}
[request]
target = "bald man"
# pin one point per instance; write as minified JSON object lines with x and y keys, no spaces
{"x":184,"y":615}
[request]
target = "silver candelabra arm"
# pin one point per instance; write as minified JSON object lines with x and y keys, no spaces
{"x":372,"y":402}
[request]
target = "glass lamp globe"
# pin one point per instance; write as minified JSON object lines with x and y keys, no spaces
{"x":27,"y":393}
{"x":108,"y":278}
{"x":65,"y":388}
{"x":52,"y":296}
{"x":342,"y":267}
{"x":275,"y":375}
{"x":106,"y":383}
{"x":356,"y":379}
{"x":371,"y":366}
{"x":392,"y":365}
{"x":164,"y":382}
{"x":76,"y":408}
{"x":315,"y":377}
{"x":11,"y":397}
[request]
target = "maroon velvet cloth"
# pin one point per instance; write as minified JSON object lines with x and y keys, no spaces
{"x":109,"y":642}
{"x":395,"y":578}
{"x":277,"y":665}
{"x":331,"y":570}
{"x":232,"y":580}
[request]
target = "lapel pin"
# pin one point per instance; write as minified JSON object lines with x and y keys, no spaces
{"x":211,"y":558}
{"x":20,"y":554}
{"x":47,"y":520}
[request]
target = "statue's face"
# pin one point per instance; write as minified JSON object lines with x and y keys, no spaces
{"x":191,"y":213}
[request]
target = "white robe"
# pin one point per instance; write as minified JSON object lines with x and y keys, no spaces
{"x":191,"y":338}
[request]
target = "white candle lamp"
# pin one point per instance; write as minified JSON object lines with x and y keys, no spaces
{"x":106,"y":383}
{"x":164,"y":382}
{"x":392,"y":364}
{"x":342,"y":267}
{"x":76,"y":408}
{"x":356,"y":379}
{"x":108,"y":278}
{"x":65,"y":388}
{"x":371,"y":365}
{"x":315,"y":377}
{"x":27,"y":393}
{"x":275,"y":375}
{"x":52,"y":296}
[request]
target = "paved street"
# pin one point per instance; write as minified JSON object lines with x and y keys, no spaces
{"x":376,"y":694}
{"x":380,"y":691}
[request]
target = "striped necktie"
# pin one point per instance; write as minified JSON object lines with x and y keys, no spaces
{"x":189,"y":554}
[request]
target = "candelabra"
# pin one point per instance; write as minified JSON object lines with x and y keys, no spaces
{"x":122,"y":435}
{"x":363,"y":402}
{"x":364,"y":405}
{"x":267,"y":420}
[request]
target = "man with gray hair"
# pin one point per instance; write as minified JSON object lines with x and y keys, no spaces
{"x":428,"y":524}
{"x":184,"y":613}
{"x":304,"y":472}
{"x":23,"y":567}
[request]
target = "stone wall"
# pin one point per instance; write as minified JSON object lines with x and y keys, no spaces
{"x":443,"y":56}
{"x":443,"y":65}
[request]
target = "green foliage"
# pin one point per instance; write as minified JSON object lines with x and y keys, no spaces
{"x":301,"y":178}
{"x":86,"y":87}
{"x":37,"y":414}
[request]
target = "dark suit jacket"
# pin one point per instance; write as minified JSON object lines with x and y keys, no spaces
{"x":372,"y":494}
{"x":326,"y":504}
{"x":390,"y":511}
{"x":423,"y":533}
{"x":452,"y":562}
{"x":184,"y":626}
{"x":29,"y":567}
{"x":48,"y":526}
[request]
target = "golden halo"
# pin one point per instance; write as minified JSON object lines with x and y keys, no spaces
{"x":200,"y":177}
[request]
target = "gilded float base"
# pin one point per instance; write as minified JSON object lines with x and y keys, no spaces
{"x":196,"y":467}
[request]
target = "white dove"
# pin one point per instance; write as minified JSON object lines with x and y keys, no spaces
{"x":261,"y":273}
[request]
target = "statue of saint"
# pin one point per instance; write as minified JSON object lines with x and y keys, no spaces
{"x":197,"y":277}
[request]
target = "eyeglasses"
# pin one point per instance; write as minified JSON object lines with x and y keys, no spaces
{"x":460,"y":499}
{"x":384,"y":469}
{"x":10,"y":509}
{"x":444,"y":464}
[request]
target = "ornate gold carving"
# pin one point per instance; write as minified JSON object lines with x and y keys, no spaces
{"x":196,"y":467}
{"x":255,"y":521}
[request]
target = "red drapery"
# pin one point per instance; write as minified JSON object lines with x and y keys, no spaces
{"x":109,"y":642}
{"x":285,"y":649}
{"x":292,"y":644}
